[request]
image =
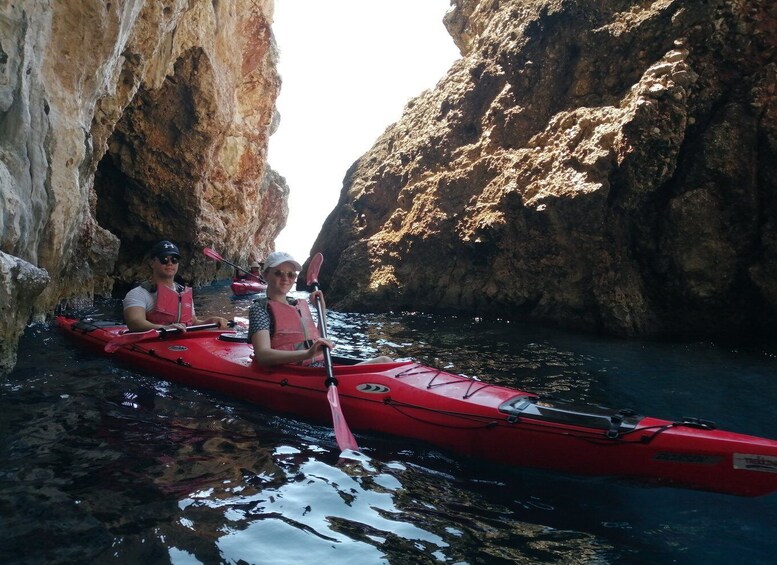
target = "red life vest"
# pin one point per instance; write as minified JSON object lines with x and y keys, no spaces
{"x":172,"y":306}
{"x":293,"y":325}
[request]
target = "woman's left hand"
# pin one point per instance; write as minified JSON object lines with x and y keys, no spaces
{"x":315,"y":296}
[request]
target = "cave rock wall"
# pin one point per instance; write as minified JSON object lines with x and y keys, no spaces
{"x":122,"y":123}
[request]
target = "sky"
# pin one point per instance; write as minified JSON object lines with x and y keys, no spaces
{"x":348,"y":68}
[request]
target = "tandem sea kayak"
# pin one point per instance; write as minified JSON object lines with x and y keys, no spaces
{"x":460,"y":414}
{"x":244,"y":287}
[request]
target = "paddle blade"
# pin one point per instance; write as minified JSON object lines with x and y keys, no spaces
{"x":313,"y":268}
{"x":212,"y":254}
{"x":345,"y":439}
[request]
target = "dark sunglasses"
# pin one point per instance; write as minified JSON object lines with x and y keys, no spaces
{"x":166,"y":260}
{"x":287,"y":274}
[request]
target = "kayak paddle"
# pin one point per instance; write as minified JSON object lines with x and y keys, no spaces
{"x":213,"y":254}
{"x":345,"y":439}
{"x":134,"y":337}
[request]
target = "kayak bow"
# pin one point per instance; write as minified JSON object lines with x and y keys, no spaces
{"x":245,"y":287}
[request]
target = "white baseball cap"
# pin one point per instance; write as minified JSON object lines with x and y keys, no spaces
{"x":277,"y":257}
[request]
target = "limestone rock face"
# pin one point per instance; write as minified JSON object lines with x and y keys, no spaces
{"x":20,"y":284}
{"x":605,"y":165}
{"x":126,"y":122}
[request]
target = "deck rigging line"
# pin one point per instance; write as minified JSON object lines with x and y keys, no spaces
{"x":455,"y":379}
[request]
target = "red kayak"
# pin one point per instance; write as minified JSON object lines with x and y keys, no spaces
{"x":460,"y":414}
{"x":243,"y":287}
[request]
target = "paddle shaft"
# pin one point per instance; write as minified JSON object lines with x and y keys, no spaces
{"x":249,"y":273}
{"x":136,"y":337}
{"x":330,"y":377}
{"x":164,"y":331}
{"x":210,"y":253}
{"x":345,"y":439}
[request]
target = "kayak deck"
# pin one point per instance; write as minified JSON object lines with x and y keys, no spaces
{"x":462,"y":414}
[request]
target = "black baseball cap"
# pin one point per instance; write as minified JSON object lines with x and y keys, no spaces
{"x":163,"y":249}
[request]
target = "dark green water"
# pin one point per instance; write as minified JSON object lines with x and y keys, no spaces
{"x":100,"y":464}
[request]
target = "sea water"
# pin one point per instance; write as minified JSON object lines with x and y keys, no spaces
{"x":102,"y":464}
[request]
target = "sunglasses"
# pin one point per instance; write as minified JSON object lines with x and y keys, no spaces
{"x":287,"y":274}
{"x":166,"y":260}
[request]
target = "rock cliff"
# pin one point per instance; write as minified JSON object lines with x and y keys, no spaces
{"x":124,"y":122}
{"x":598,"y":164}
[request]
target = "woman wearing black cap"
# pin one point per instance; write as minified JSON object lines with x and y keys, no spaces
{"x":161,"y":302}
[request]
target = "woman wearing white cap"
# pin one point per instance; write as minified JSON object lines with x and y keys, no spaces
{"x":282,"y":329}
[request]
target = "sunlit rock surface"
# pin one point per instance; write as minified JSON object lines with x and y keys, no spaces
{"x":125,"y":122}
{"x":605,"y":165}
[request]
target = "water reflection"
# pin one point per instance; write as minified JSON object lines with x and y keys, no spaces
{"x":109,"y":465}
{"x":366,"y":511}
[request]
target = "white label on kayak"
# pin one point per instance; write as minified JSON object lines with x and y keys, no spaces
{"x":178,"y":348}
{"x":765,"y":463}
{"x":372,"y":388}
